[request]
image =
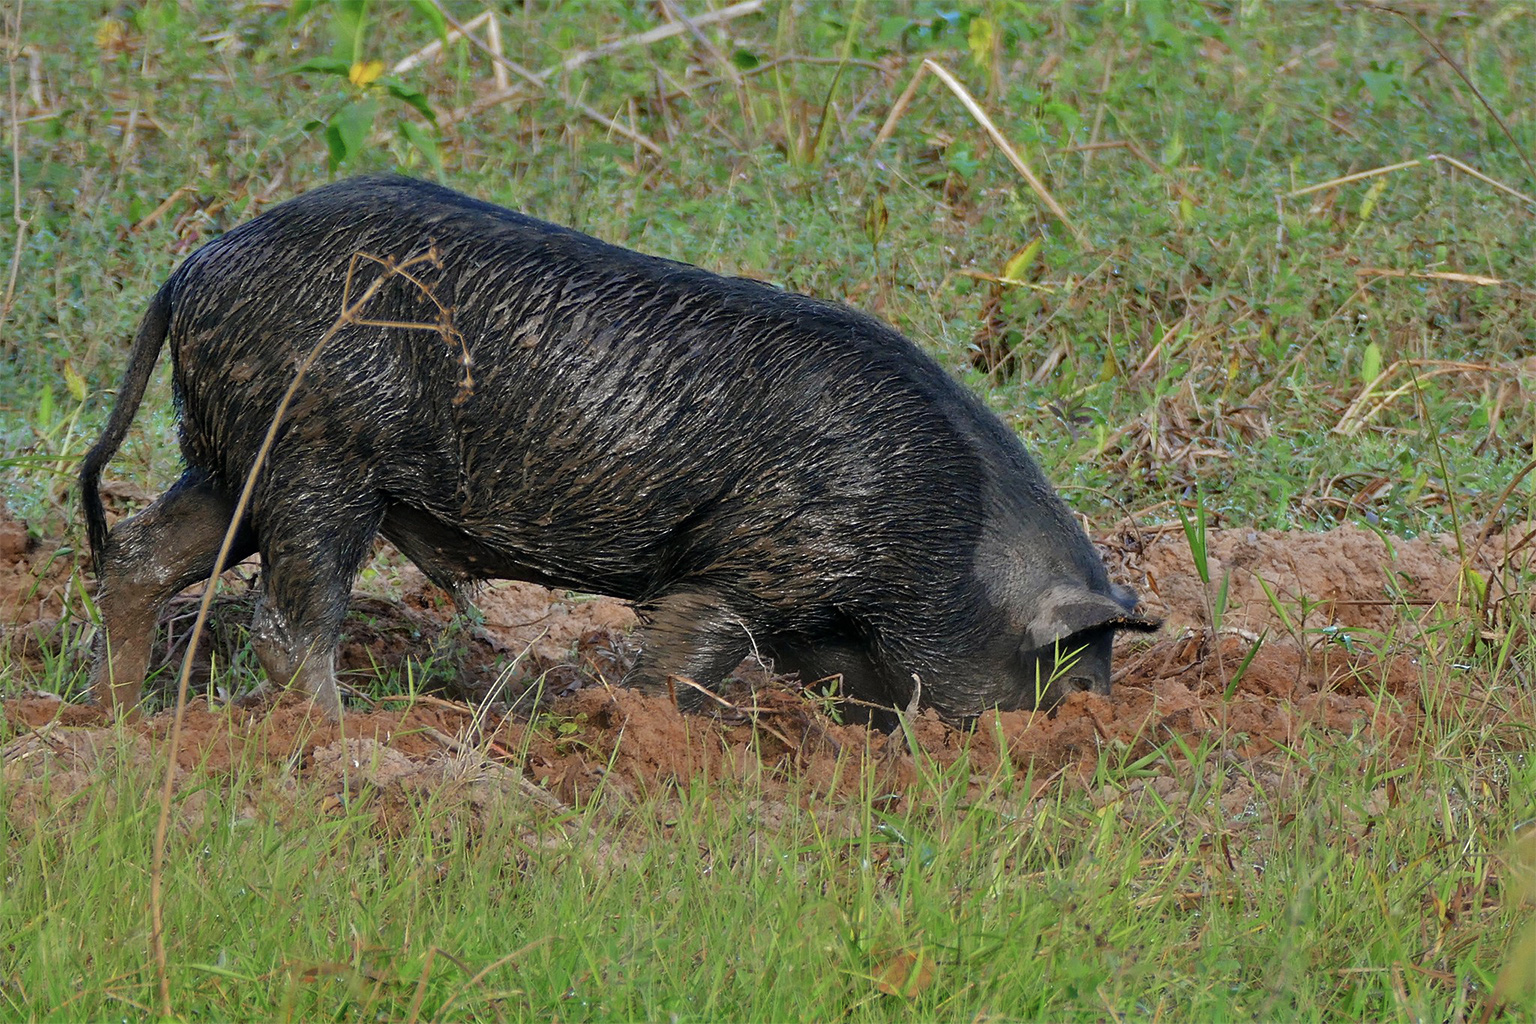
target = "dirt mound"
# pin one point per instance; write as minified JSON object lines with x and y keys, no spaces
{"x":1347,"y":577}
{"x":32,"y":575}
{"x":1334,"y":650}
{"x":618,"y":745}
{"x":390,"y":765}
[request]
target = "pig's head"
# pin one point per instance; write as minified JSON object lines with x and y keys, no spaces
{"x":1067,"y":645}
{"x":1053,"y":616}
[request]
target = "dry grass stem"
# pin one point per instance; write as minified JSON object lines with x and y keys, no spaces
{"x":160,"y":211}
{"x":527,"y":787}
{"x":1440,"y":51}
{"x":493,"y":40}
{"x":1404,"y":165}
{"x":435,"y":48}
{"x":484,"y":972}
{"x":1156,"y":350}
{"x":726,"y":67}
{"x":532,"y":78}
{"x":538,"y":80}
{"x":1098,"y":115}
{"x":654,"y":35}
{"x":350,"y":314}
{"x":1353,"y":419}
{"x":974,"y":109}
{"x":1431,"y":275}
{"x":11,"y":44}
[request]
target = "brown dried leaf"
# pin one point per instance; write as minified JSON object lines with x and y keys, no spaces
{"x":906,"y":973}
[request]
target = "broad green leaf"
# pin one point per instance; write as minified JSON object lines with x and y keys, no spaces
{"x":433,"y":16}
{"x":1370,"y":364}
{"x":1383,"y":82}
{"x":1477,"y":584}
{"x":1110,"y":368}
{"x":299,"y":9}
{"x":326,"y":65}
{"x":1155,"y":15}
{"x":44,"y":410}
{"x":347,"y":133}
{"x":415,"y":97}
{"x":348,"y":18}
{"x":424,"y":144}
{"x":892,"y":28}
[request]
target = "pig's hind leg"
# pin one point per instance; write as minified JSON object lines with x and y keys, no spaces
{"x":165,"y":548}
{"x":312,"y":546}
{"x":693,"y":636}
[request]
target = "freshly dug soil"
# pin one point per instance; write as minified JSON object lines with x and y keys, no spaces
{"x":1330,"y":632}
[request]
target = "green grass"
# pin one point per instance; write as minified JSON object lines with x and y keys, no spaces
{"x":1266,"y":329}
{"x":1206,"y":346}
{"x":1319,"y":897}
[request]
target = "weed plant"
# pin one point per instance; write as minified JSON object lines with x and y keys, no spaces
{"x":1221,"y":346}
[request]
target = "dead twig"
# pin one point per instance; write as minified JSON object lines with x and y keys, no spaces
{"x":654,"y":35}
{"x":22,"y":223}
{"x":580,"y":57}
{"x":351,"y":313}
{"x":433,"y":49}
{"x":1405,"y":165}
{"x":938,"y":71}
{"x":160,"y":211}
{"x":1440,"y":50}
{"x":1353,"y":419}
{"x":1132,"y":146}
{"x":533,"y":79}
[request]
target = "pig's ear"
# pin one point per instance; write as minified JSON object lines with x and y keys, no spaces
{"x":1065,"y":611}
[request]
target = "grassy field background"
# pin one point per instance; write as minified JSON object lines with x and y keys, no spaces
{"x":1206,"y":334}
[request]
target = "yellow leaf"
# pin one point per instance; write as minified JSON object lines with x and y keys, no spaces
{"x":365,"y":72}
{"x":1111,"y":366}
{"x":1019,"y":263}
{"x":876,"y":217}
{"x":980,"y":39}
{"x":1478,"y":584}
{"x":74,"y":381}
{"x":1372,"y":194}
{"x":109,"y":33}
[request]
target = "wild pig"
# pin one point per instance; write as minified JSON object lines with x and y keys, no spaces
{"x":755,"y":469}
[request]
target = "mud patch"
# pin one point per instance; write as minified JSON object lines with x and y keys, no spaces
{"x":1334,"y":646}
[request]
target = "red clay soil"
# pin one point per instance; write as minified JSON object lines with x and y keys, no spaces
{"x":1338,"y":649}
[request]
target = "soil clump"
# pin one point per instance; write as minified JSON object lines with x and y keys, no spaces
{"x":1329,"y":632}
